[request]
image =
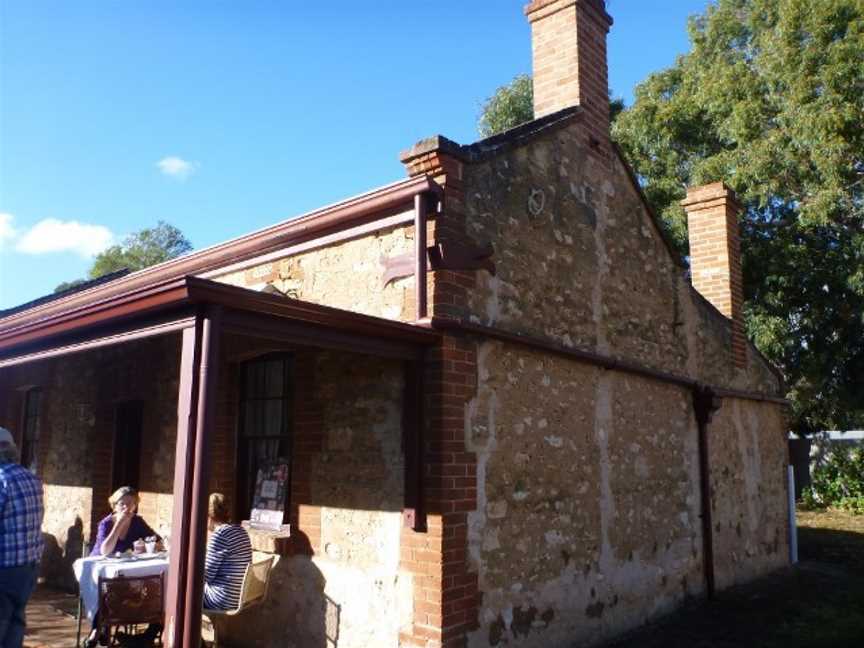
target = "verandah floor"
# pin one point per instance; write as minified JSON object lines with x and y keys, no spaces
{"x":51,"y":619}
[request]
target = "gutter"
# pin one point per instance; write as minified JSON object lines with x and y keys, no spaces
{"x":598,"y":359}
{"x":319,"y":223}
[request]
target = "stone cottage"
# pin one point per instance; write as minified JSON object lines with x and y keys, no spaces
{"x":510,"y":417}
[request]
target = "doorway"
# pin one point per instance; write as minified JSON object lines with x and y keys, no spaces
{"x":127,"y":445}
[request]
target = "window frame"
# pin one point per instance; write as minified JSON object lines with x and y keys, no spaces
{"x":244,"y":484}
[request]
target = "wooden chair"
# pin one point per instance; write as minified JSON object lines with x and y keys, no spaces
{"x":128,"y":602}
{"x":256,"y":582}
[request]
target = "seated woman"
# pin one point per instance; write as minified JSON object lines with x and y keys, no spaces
{"x":228,"y":553}
{"x":119,"y":530}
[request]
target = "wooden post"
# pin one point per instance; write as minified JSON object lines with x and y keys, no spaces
{"x":196,"y":398}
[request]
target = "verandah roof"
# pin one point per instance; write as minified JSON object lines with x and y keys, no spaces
{"x":173,"y":304}
{"x":202,"y":311}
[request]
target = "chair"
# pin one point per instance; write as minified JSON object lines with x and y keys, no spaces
{"x":131,"y":601}
{"x":256,"y":582}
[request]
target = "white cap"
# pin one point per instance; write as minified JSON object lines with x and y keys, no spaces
{"x":6,"y":436}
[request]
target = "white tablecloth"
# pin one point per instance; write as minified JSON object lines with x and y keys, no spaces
{"x":88,"y":571}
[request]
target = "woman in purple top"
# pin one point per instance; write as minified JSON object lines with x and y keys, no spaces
{"x":119,"y":530}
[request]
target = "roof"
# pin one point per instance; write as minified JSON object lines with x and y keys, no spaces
{"x":169,"y":305}
{"x":84,"y":285}
{"x":318,"y":223}
{"x":491,"y":146}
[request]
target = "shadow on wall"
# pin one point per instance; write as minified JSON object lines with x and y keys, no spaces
{"x":57,"y":561}
{"x":297,"y":613}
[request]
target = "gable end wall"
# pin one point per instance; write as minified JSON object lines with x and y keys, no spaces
{"x":588,"y":498}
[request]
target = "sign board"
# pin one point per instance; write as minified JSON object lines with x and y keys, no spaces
{"x":271,"y":488}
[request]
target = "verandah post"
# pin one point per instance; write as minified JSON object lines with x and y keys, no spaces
{"x":198,"y":367}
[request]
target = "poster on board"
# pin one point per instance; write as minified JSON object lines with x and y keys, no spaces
{"x":271,"y":489}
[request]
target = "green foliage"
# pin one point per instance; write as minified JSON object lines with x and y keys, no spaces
{"x":838,"y":481}
{"x":511,"y":105}
{"x":770,"y":99}
{"x":141,"y":250}
{"x":68,"y":285}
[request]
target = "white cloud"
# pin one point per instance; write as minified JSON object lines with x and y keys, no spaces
{"x":7,"y":230}
{"x":177,"y":167}
{"x":52,"y":235}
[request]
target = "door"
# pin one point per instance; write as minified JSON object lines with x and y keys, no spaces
{"x":127,"y":445}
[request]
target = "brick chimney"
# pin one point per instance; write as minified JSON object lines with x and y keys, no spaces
{"x":568,"y":42}
{"x":715,"y":255}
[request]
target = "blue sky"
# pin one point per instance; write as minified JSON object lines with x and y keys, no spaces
{"x":224,"y":117}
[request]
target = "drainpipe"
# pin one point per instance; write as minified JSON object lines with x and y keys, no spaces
{"x":420,"y":205}
{"x":705,"y":403}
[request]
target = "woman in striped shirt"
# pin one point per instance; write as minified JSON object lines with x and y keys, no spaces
{"x":228,"y":553}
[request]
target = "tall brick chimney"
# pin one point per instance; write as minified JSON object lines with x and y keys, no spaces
{"x":568,"y":42}
{"x":715,"y":255}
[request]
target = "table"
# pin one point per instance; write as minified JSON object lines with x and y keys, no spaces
{"x":88,"y":570}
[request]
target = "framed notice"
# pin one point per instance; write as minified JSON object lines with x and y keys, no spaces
{"x":271,"y":489}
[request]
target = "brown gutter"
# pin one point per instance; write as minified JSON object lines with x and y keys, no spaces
{"x":234,"y":298}
{"x":186,"y":291}
{"x":705,"y":403}
{"x":106,"y":310}
{"x":162,"y":328}
{"x":597,"y":359}
{"x":314,"y":224}
{"x":420,"y":255}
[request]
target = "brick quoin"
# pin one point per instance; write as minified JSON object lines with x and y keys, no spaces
{"x":446,"y":594}
{"x":308,"y":442}
{"x":715,"y":256}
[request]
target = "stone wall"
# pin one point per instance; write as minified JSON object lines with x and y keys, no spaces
{"x":588,"y":510}
{"x":588,"y":513}
{"x":75,"y":452}
{"x":580,"y":261}
{"x":747,"y":445}
{"x":342,"y":584}
{"x":347,"y":275}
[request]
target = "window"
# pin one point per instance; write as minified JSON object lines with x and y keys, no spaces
{"x":128,"y":425}
{"x":265,"y":422}
{"x":32,"y":425}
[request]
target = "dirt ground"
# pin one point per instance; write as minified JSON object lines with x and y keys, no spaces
{"x":817,"y":604}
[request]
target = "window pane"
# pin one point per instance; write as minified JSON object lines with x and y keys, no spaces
{"x":264,"y":426}
{"x":272,"y":424}
{"x":275,"y":374}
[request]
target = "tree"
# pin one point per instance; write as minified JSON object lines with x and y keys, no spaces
{"x":69,"y":285}
{"x":513,"y":104}
{"x":770,"y":99}
{"x":141,"y":250}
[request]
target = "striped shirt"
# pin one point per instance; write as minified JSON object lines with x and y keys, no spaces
{"x":228,"y":553}
{"x":21,"y":514}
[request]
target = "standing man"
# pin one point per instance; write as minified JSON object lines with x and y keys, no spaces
{"x":20,"y":540}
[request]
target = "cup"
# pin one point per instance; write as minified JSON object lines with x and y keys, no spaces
{"x":150,"y":545}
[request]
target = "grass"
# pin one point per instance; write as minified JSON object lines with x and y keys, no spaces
{"x":817,"y":604}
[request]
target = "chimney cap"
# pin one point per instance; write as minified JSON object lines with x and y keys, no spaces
{"x":546,"y":7}
{"x":709,"y":193}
